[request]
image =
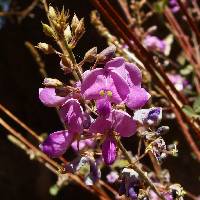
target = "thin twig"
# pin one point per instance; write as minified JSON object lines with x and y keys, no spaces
{"x":138,"y":170}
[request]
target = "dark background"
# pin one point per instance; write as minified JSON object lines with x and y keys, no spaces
{"x":21,"y":178}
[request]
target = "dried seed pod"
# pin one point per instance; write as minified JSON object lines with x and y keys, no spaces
{"x":91,"y":55}
{"x":46,"y":48}
{"x":52,"y":82}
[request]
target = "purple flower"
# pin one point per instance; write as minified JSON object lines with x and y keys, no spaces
{"x":153,"y":43}
{"x":105,"y":86}
{"x":109,"y":153}
{"x":179,"y":82}
{"x":72,"y":115}
{"x":174,"y":6}
{"x":79,"y":145}
{"x":57,"y":143}
{"x":112,"y":176}
{"x":117,"y":121}
{"x":154,"y":196}
{"x":137,"y":96}
{"x":49,"y":98}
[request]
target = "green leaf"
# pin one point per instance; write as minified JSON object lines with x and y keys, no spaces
{"x":188,"y":110}
{"x":196,"y":105}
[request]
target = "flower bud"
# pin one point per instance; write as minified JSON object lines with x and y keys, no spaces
{"x":46,"y":48}
{"x":109,"y":152}
{"x":74,"y":23}
{"x":80,"y":30}
{"x":52,"y":82}
{"x":48,"y":30}
{"x":66,"y":64}
{"x":52,"y":13}
{"x":106,"y":54}
{"x":91,"y":55}
{"x":67,"y":34}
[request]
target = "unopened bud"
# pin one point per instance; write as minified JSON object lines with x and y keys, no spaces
{"x":66,"y":64}
{"x":75,"y":22}
{"x":80,"y":29}
{"x":51,"y":82}
{"x":52,"y":13}
{"x":91,"y":55}
{"x":48,"y":30}
{"x":67,"y":34}
{"x":46,"y":48}
{"x":78,"y":33}
{"x":106,"y":55}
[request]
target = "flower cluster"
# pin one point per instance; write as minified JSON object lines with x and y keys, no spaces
{"x":118,"y":82}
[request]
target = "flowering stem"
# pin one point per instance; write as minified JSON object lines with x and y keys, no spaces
{"x":67,"y":51}
{"x":137,"y":169}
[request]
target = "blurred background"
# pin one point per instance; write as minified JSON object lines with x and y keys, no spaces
{"x":21,"y":178}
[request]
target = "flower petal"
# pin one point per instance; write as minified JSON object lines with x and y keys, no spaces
{"x":115,"y":63}
{"x":103,"y":107}
{"x":100,"y":125}
{"x":92,"y":84}
{"x":137,"y":98}
{"x":130,"y":72}
{"x":109,"y":151}
{"x":49,"y":98}
{"x":123,"y":123}
{"x":72,"y":115}
{"x":134,"y":75}
{"x":57,"y":143}
{"x":118,"y":86}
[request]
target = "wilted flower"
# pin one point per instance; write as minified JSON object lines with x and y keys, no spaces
{"x":94,"y":172}
{"x":153,"y":43}
{"x":148,"y":117}
{"x":117,"y":121}
{"x":112,"y":176}
{"x":159,"y":149}
{"x":129,"y":183}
